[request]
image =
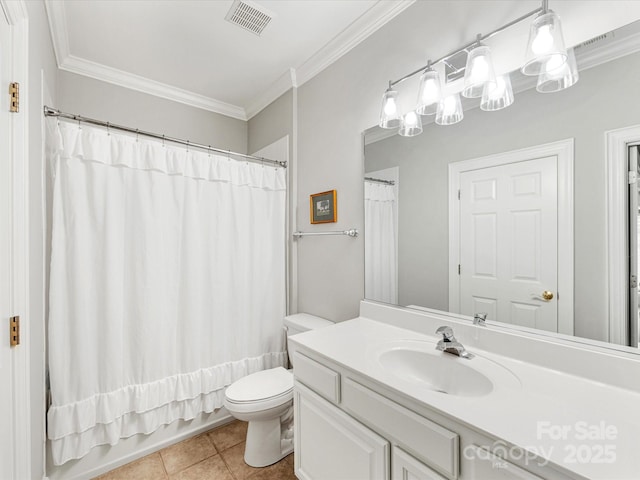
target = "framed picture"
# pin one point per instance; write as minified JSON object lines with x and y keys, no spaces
{"x":324,"y":207}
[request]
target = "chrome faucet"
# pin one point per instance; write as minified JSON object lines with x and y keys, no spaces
{"x":449,"y":344}
{"x":480,"y":319}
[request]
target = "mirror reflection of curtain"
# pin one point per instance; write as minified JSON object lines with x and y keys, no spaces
{"x":380,"y":243}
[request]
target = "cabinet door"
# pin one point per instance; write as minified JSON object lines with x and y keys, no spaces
{"x":405,"y":467}
{"x":330,"y":445}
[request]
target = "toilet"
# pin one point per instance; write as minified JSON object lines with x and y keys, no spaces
{"x":265,"y":400}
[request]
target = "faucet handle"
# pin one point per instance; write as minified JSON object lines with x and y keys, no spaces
{"x":446,"y":332}
{"x":479,"y":318}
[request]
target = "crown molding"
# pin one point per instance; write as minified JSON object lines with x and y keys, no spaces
{"x":15,"y":10}
{"x":381,"y":13}
{"x":612,"y":50}
{"x":58,"y":28}
{"x":121,"y":78}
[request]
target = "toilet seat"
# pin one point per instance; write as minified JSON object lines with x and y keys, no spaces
{"x":261,"y":390}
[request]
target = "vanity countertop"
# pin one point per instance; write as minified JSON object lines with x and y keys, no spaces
{"x":588,"y":428}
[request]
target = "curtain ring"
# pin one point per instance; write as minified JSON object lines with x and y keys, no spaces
{"x":187,"y":145}
{"x":209,"y":150}
{"x":228,"y":155}
{"x":163,"y":140}
{"x":108,"y":132}
{"x":137,"y":134}
{"x":78,"y":118}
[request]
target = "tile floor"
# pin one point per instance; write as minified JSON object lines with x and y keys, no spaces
{"x":213,"y":455}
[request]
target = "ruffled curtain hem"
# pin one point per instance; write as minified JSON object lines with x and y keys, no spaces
{"x":75,"y":428}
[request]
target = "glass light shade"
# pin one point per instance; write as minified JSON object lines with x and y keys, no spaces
{"x":497,"y":96}
{"x":545,"y":41}
{"x":478,"y":72}
{"x":449,"y":110}
{"x":558,"y":75}
{"x":389,"y":115}
{"x":429,"y":92}
{"x":411,"y":125}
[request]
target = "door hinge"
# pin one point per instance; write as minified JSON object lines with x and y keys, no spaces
{"x":633,"y":281}
{"x":458,"y":194}
{"x":458,"y":269}
{"x":14,"y":331}
{"x":633,"y":177}
{"x":14,"y":97}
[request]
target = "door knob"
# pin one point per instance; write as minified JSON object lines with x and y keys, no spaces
{"x":547,"y":295}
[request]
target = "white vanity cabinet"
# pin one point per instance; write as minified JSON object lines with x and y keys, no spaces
{"x":348,"y":427}
{"x":331,"y":445}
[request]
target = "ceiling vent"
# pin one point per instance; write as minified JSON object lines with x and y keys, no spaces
{"x":249,"y":16}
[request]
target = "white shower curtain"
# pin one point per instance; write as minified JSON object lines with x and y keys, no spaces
{"x":167,"y":282}
{"x":381,"y":271}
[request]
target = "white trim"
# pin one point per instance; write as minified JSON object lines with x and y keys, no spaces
{"x":16,"y":12}
{"x":121,"y":78}
{"x":381,"y":13}
{"x":616,"y":172}
{"x":57,"y":18}
{"x":564,"y":151}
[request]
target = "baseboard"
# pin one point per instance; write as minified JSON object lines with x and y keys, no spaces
{"x":97,"y":462}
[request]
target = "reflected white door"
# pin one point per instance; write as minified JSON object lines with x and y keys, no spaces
{"x":7,"y":453}
{"x":509,"y":243}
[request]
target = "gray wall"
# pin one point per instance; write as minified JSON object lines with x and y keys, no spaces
{"x":41,"y":84}
{"x":583,"y":112}
{"x":104,"y":101}
{"x":272,"y":123}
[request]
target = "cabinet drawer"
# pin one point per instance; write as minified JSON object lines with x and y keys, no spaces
{"x":425,"y":440}
{"x":319,"y":378}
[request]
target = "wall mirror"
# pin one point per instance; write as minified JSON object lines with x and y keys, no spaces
{"x":529,"y":214}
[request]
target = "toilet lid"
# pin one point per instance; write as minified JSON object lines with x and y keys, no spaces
{"x":261,"y":385}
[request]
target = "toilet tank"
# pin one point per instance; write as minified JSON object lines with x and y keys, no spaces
{"x":303,"y":322}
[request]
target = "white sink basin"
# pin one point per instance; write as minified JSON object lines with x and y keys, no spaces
{"x":420,"y":363}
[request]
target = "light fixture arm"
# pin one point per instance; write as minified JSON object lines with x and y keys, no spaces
{"x":478,"y":39}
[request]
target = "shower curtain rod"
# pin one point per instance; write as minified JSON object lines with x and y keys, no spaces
{"x":52,"y":112}
{"x":379,"y":180}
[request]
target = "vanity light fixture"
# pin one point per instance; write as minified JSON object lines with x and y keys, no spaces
{"x":478,"y":73}
{"x":557,"y":75}
{"x":545,"y":42}
{"x":411,"y":124}
{"x":449,"y":110}
{"x":546,"y":56}
{"x":430,"y":91}
{"x":389,"y":115}
{"x":498,"y":95}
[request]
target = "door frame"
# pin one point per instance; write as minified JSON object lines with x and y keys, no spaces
{"x":16,"y":13}
{"x":563,"y":150}
{"x":617,"y":142}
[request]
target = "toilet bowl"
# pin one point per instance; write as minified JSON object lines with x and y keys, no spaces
{"x":265,"y":400}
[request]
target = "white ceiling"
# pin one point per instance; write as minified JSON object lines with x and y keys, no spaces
{"x":185,"y":50}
